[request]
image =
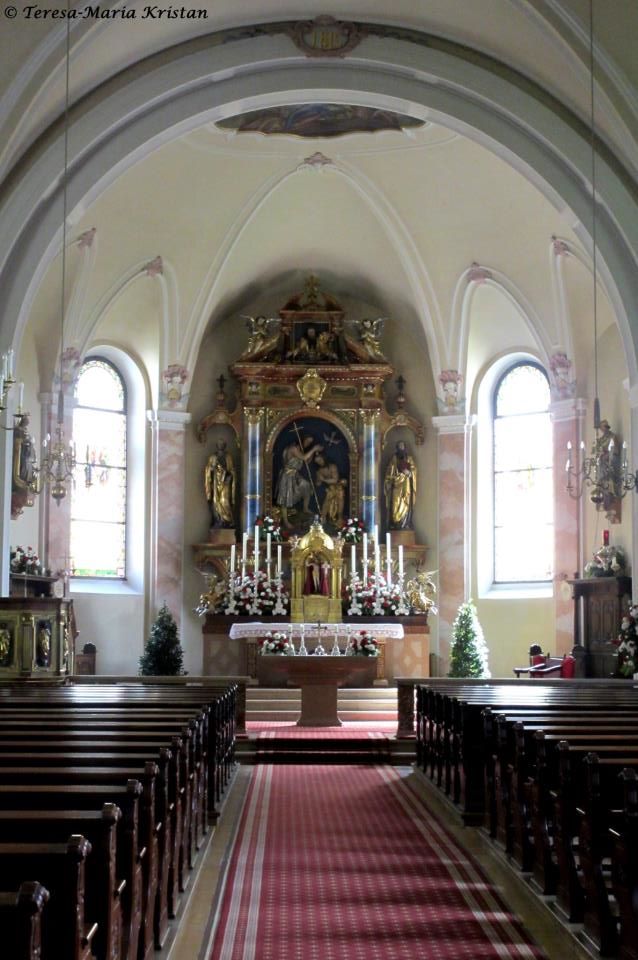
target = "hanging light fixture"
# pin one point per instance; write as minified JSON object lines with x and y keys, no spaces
{"x":605,"y":472}
{"x":58,"y":461}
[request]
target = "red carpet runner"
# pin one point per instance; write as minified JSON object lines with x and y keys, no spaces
{"x":345,"y":863}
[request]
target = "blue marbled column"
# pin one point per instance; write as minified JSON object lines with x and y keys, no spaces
{"x":369,"y":479}
{"x":253,"y":467}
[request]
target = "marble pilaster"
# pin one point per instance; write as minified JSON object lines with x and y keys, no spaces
{"x":454,"y":437}
{"x":567,"y":423}
{"x":57,"y":534}
{"x":167,"y":539}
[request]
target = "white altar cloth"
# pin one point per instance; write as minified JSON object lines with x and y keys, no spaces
{"x":382,"y":631}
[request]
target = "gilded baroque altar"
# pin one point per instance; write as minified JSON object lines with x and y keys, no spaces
{"x":310,"y":443}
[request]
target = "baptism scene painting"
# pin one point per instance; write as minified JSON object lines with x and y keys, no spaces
{"x":311,"y":474}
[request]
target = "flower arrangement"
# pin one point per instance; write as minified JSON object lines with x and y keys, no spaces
{"x":25,"y":561}
{"x":607,"y":562}
{"x":275,"y":642}
{"x":258,"y":595}
{"x":363,"y":644}
{"x":360,"y":599}
{"x":352,"y":530}
{"x":270,"y":526}
{"x":627,"y":643}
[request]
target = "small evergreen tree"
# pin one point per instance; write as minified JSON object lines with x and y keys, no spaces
{"x":163,"y":656}
{"x":468,"y":651}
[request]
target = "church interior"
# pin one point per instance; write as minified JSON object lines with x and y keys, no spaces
{"x":318,"y":334}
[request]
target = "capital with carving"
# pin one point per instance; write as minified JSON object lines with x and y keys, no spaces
{"x":254,"y":415}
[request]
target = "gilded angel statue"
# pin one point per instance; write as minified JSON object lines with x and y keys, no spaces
{"x":368,"y":346}
{"x":264,"y":337}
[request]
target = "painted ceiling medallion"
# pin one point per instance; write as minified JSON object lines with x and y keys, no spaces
{"x":315,"y":120}
{"x":326,"y":37}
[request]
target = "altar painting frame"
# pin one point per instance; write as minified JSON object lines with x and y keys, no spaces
{"x":323,"y":426}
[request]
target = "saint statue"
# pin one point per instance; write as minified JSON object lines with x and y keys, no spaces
{"x":328,"y":475}
{"x":294,"y":483}
{"x":400,"y":488}
{"x":219,"y":483}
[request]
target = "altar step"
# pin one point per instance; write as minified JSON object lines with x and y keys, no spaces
{"x":355,"y":703}
{"x":331,"y":748}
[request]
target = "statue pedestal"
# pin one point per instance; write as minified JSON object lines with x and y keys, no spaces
{"x":222,"y":536}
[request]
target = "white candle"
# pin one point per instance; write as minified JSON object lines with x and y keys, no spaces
{"x":268,"y":548}
{"x":376,"y":533}
{"x":365,"y":548}
{"x":244,"y":548}
{"x":256,"y":539}
{"x":377,"y":562}
{"x":353,"y":559}
{"x":5,"y":367}
{"x":388,"y":544}
{"x":400,"y":559}
{"x":278,"y":558}
{"x":232,"y":557}
{"x":388,"y":558}
{"x":10,"y":356}
{"x":20,"y":396}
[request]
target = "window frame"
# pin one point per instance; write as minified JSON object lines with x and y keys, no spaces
{"x":484,"y":492}
{"x":98,"y":357}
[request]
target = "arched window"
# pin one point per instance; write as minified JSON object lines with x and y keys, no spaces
{"x":99,"y":498}
{"x":522,"y":469}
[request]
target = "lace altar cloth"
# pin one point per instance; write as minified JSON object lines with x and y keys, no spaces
{"x":393,"y":631}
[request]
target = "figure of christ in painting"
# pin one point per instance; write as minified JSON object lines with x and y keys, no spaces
{"x":294,"y":484}
{"x":327,"y":475}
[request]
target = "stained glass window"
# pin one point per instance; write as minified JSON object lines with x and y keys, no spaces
{"x":98,"y":502}
{"x":523,"y":485}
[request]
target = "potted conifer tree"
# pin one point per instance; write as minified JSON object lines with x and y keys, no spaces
{"x":163,"y":655}
{"x":468,"y":651}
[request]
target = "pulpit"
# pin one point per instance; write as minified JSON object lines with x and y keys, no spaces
{"x":599,"y":605}
{"x":37,"y":638}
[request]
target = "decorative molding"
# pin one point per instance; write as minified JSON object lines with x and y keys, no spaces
{"x":560,"y":247}
{"x":85,"y":240}
{"x":453,"y":424}
{"x":563,"y":386}
{"x":632,"y":393}
{"x":311,"y":387}
{"x":162,"y":419}
{"x":478,"y":274}
{"x":254,"y":415}
{"x":568,"y":408}
{"x":451,"y":402}
{"x":326,"y":37}
{"x":174,"y":377}
{"x":154,"y":268}
{"x":317,"y":162}
{"x":369,"y":417}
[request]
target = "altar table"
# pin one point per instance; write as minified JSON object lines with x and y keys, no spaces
{"x":319,"y":679}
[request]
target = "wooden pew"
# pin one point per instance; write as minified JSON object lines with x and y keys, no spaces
{"x":624,"y":866}
{"x":103,"y":884}
{"x":66,"y":934}
{"x":130,"y":856}
{"x":150,"y":830}
{"x":21,"y":920}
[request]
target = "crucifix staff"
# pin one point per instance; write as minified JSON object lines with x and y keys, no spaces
{"x":312,"y":484}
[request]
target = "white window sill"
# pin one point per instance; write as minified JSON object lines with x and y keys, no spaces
{"x":518,"y":591}
{"x":116,"y":588}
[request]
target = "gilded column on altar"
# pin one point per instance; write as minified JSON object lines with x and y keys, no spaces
{"x":369,"y":473}
{"x":253,"y":466}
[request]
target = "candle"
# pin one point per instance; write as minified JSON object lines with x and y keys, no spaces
{"x":279,"y":558}
{"x":5,"y":368}
{"x":365,"y":548}
{"x":244,"y":548}
{"x":353,"y":560}
{"x":232,"y":557}
{"x":10,"y":356}
{"x":400,"y":559}
{"x":256,"y":539}
{"x":268,"y":548}
{"x":377,"y":562}
{"x":20,"y":396}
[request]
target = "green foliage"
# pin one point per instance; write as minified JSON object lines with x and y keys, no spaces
{"x":468,"y":651}
{"x":163,"y":655}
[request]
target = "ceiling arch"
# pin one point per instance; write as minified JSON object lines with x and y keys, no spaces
{"x":111,"y":132}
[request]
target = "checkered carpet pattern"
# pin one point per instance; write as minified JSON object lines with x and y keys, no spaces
{"x":345,"y":863}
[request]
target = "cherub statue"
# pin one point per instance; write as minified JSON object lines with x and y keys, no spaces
{"x":367,"y":348}
{"x":420,"y":592}
{"x":261,"y":342}
{"x":212,"y":601}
